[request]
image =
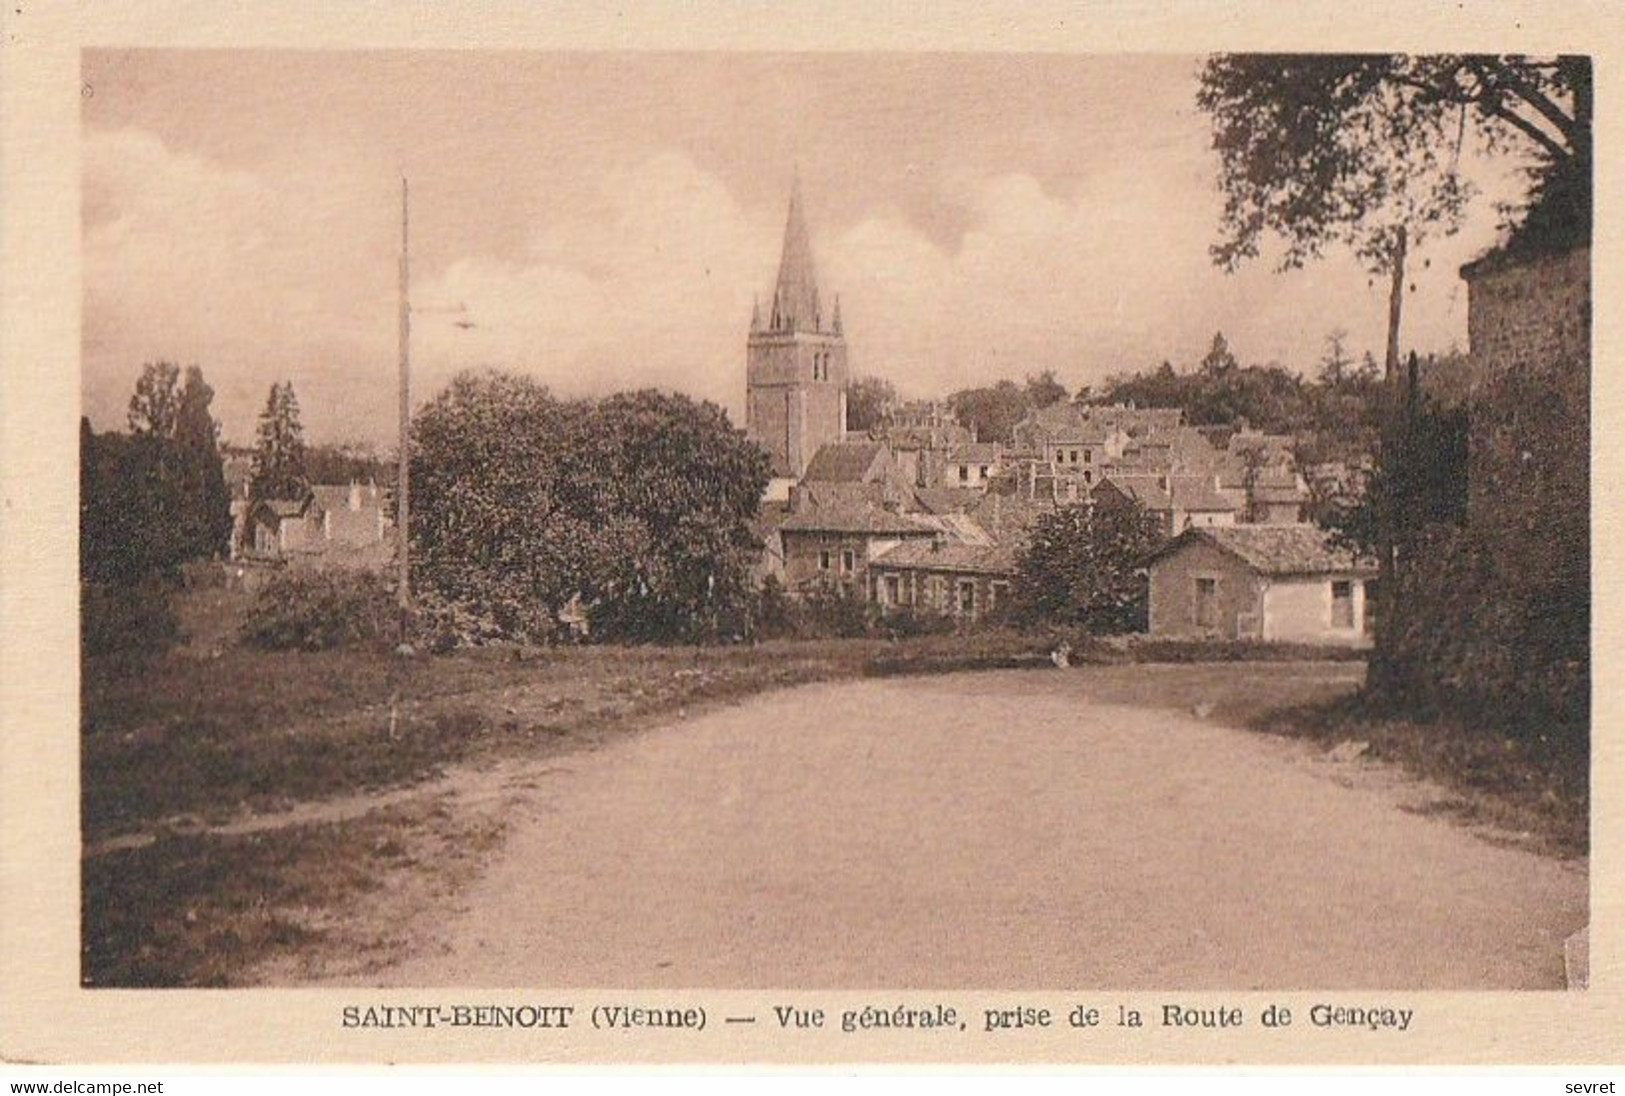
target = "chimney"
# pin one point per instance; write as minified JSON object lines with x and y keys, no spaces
{"x":355,"y":495}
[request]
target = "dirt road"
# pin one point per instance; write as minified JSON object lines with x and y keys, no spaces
{"x":997,"y":830}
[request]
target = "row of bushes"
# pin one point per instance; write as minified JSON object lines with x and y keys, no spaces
{"x":319,"y":610}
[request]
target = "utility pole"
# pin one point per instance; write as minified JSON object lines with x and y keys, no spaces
{"x":403,"y":509}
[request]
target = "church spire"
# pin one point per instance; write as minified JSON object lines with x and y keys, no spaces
{"x":756,"y":314}
{"x":795,"y":301}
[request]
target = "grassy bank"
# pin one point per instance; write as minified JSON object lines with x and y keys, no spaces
{"x":193,"y":737}
{"x":256,"y":730}
{"x":1536,"y":785}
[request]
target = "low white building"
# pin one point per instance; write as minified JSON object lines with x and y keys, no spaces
{"x":1280,"y":583}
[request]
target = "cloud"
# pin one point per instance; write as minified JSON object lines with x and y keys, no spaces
{"x":1113,"y":276}
{"x":647,"y":279}
{"x":649,"y":284}
{"x":255,"y":279}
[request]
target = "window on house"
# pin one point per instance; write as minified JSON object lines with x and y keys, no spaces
{"x":964,"y":473}
{"x":1074,"y":456}
{"x":1369,"y":617}
{"x":1088,"y":456}
{"x":849,"y":560}
{"x":893,"y":590}
{"x":1342,"y":604}
{"x":984,"y":471}
{"x":997,"y":594}
{"x":967,"y":596}
{"x":824,"y":558}
{"x":1088,"y":477}
{"x":1207,"y":603}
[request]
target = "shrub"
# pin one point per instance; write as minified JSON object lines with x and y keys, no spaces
{"x":1083,"y":565}
{"x":833,"y":612}
{"x":907,"y":622}
{"x":439,"y":624}
{"x":135,"y":619}
{"x":1468,"y":640}
{"x":321,"y":610}
{"x":773,"y":614}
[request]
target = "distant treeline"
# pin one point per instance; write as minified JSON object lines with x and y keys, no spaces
{"x":1332,"y":413}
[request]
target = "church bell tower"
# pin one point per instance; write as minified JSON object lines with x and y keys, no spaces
{"x":795,"y":360}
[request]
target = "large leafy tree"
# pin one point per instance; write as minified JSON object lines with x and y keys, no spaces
{"x":1362,"y":150}
{"x":868,"y":399}
{"x":638,"y":507}
{"x":1084,"y":565}
{"x":129,"y":527}
{"x":201,"y":471}
{"x":1219,"y":362}
{"x":1043,"y":389}
{"x":175,"y":440}
{"x":991,"y":412}
{"x":279,"y":457}
{"x":155,"y":405}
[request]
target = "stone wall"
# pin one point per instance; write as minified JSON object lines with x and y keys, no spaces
{"x":1529,"y":332}
{"x":1492,"y":618}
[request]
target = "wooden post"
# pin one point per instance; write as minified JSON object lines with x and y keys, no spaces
{"x":403,"y":507}
{"x":1387,"y":432}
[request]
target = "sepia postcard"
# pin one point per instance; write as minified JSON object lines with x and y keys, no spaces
{"x":807,"y":533}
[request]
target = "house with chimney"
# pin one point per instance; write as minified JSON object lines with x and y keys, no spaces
{"x":341,"y":525}
{"x":833,"y":545}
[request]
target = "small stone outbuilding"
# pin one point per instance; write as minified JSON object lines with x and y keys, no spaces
{"x":1282,"y":583}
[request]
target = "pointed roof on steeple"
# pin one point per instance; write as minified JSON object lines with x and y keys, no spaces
{"x":795,"y":298}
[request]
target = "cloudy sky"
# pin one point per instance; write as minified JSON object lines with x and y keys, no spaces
{"x":607,"y":218}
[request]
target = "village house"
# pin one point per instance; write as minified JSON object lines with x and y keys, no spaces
{"x":938,"y":575}
{"x":1137,"y":422}
{"x":947,"y":500}
{"x":277,"y":528}
{"x":333,"y":524}
{"x":920,"y":434}
{"x":972,"y":465}
{"x":834,"y":545}
{"x":1286,"y":583}
{"x":854,"y":472}
{"x":1177,"y":502}
{"x":1070,"y":441}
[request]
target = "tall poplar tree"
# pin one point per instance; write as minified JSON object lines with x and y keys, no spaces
{"x":279,"y":460}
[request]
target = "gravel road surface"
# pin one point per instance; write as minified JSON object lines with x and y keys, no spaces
{"x":999,"y":830}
